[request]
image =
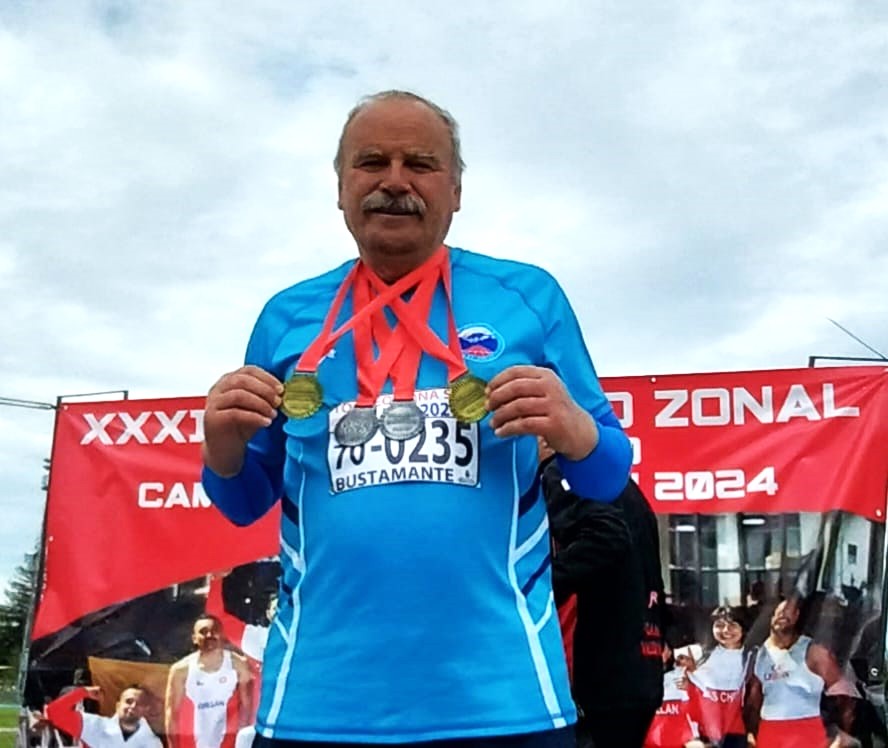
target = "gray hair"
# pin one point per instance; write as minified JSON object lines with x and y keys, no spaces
{"x":457,"y":164}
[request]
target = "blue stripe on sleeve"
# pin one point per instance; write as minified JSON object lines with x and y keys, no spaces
{"x":604,"y":473}
{"x":245,"y":497}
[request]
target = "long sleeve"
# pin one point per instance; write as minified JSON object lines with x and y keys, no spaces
{"x":247,"y":496}
{"x":602,"y":474}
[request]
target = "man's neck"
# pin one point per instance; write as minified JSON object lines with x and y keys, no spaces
{"x":783,"y":640}
{"x":391,"y":268}
{"x":210,"y":660}
{"x":127,"y":728}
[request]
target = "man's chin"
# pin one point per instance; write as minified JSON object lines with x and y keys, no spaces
{"x":393,"y":243}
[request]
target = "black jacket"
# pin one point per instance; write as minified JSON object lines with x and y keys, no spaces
{"x":608,"y":555}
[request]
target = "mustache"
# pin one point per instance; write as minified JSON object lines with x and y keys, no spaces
{"x":385,"y":203}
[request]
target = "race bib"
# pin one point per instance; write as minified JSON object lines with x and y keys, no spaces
{"x":445,"y":451}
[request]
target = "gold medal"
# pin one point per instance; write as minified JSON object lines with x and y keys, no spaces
{"x":467,"y":398}
{"x":302,"y":395}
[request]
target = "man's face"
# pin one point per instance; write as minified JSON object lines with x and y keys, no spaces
{"x":785,"y":617}
{"x":207,"y":635}
{"x":130,"y":706}
{"x":397,"y":189}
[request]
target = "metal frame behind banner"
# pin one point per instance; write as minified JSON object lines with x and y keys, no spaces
{"x":812,"y":360}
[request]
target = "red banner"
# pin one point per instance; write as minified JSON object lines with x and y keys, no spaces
{"x":126,"y":512}
{"x":127,"y":515}
{"x":792,"y":440}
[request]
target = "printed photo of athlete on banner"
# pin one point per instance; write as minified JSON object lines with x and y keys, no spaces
{"x":769,"y":490}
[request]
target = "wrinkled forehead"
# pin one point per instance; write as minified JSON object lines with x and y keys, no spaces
{"x":401,"y":123}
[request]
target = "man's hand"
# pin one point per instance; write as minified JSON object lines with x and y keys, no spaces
{"x":94,"y":693}
{"x":238,"y":405}
{"x":533,"y":400}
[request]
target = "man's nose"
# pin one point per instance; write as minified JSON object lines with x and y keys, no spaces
{"x":395,"y":179}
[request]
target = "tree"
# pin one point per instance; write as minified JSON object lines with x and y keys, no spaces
{"x":14,"y":613}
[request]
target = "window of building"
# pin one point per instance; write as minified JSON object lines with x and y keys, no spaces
{"x":700,"y":573}
{"x":771,"y":551}
{"x":717,"y":559}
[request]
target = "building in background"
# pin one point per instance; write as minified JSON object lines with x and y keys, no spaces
{"x":732,"y":559}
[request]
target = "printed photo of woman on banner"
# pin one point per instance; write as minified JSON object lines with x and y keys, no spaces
{"x":791,"y":661}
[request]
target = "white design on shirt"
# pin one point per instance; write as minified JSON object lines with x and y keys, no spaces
{"x":105,"y":732}
{"x":790,"y":689}
{"x":210,"y":693}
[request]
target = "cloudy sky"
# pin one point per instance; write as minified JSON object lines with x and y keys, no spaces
{"x":709,"y":181}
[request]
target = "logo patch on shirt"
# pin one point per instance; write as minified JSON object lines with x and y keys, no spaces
{"x":480,"y":342}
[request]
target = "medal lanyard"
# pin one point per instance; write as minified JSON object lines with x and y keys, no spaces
{"x":400,"y":349}
{"x":325,"y":340}
{"x":397,"y":358}
{"x":399,"y":353}
{"x":416,"y":325}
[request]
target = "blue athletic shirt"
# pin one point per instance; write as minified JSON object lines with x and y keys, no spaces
{"x":415,"y":597}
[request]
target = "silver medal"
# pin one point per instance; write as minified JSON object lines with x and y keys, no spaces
{"x":356,"y":427}
{"x":402,"y":420}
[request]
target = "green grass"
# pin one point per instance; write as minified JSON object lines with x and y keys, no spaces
{"x":9,"y":716}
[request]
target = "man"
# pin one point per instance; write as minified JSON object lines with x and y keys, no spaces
{"x":208,"y":696}
{"x":607,"y":557}
{"x":790,"y":674}
{"x":415,"y":596}
{"x":250,"y":638}
{"x":127,"y":727}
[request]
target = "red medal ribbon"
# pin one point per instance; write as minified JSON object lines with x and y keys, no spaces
{"x":423,"y":336}
{"x":399,"y":355}
{"x":325,"y":340}
{"x":399,"y":350}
